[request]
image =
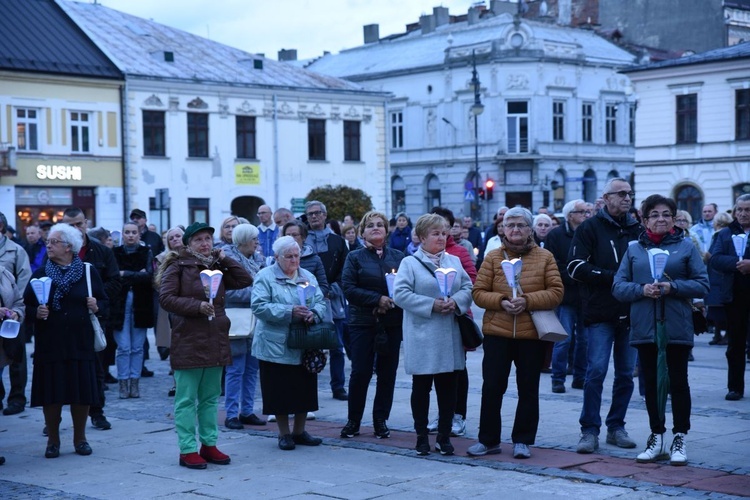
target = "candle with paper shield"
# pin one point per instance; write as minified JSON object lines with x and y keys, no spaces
{"x":740,"y":242}
{"x":657,"y":260}
{"x":512,"y":271}
{"x":305,"y":291}
{"x":390,"y":279}
{"x":445,"y":278}
{"x":41,"y":287}
{"x":211,"y":281}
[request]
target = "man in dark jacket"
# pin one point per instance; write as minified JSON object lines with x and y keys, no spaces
{"x":595,"y":254}
{"x":331,"y":249}
{"x":569,"y":312}
{"x":104,"y":262}
{"x":150,"y":238}
{"x":734,"y":293}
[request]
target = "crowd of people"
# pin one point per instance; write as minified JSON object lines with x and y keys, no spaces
{"x":381,"y":285}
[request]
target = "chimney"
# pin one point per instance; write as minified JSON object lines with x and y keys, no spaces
{"x":501,"y":7}
{"x":441,"y":16}
{"x":473,"y":15}
{"x":564,"y":12}
{"x":372,"y":33}
{"x":427,"y":23}
{"x":288,"y":55}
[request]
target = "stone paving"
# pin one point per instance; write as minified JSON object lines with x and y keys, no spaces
{"x":138,"y":457}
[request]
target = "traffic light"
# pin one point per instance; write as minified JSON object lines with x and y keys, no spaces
{"x":489,"y":187}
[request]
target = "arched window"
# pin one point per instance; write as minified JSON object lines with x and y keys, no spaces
{"x":688,"y":198}
{"x":612,"y":174}
{"x":247,"y":207}
{"x":589,"y":185}
{"x":432,"y":196}
{"x":398,"y":195}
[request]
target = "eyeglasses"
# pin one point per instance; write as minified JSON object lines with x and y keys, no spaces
{"x":316,"y":213}
{"x":680,"y":221}
{"x":664,"y":215}
{"x":290,"y":257}
{"x":623,"y":193}
{"x":230,"y":226}
{"x":56,"y":242}
{"x":585,"y":212}
{"x":516,"y":226}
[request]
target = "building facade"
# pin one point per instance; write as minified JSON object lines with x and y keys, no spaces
{"x":60,"y":120}
{"x":556,"y":116}
{"x":211,"y":130}
{"x":693,"y":128}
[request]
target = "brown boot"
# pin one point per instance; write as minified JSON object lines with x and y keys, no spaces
{"x":124,"y":392}
{"x":134,"y":390}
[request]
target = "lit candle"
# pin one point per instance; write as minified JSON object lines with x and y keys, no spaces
{"x":390,"y":278}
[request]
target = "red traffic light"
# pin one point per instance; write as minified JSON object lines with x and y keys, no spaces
{"x":489,"y":183}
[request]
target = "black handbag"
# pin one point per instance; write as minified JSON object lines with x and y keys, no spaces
{"x":700,"y":325}
{"x":321,"y":335}
{"x":471,"y":334}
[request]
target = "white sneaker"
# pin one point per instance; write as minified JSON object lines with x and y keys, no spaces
{"x":432,"y":426}
{"x":458,"y":428}
{"x":271,"y":418}
{"x":654,"y":451}
{"x":310,"y":416}
{"x":678,"y":451}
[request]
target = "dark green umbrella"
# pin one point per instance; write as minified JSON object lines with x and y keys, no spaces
{"x":662,"y":372}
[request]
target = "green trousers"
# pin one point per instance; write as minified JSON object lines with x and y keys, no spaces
{"x":197,"y":394}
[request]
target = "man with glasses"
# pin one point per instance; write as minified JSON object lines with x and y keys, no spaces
{"x":150,"y":238}
{"x":15,"y":259}
{"x":331,"y":249}
{"x":103,"y":260}
{"x":569,"y":312}
{"x":597,"y":248}
{"x":268,"y":231}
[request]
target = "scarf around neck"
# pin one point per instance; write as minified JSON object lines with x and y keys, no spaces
{"x":207,"y":261}
{"x":521,"y":249}
{"x":434,"y":257}
{"x":318,"y":239}
{"x":63,"y":277}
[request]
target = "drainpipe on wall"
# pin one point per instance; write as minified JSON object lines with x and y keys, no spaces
{"x":124,"y":145}
{"x":275,"y":154}
{"x":387,"y":209}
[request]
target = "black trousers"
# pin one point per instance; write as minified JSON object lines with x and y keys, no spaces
{"x":97,"y":410}
{"x":738,"y":318}
{"x":363,"y":358}
{"x":19,"y":376}
{"x":677,"y":363}
{"x":499,"y":354}
{"x":445,"y":389}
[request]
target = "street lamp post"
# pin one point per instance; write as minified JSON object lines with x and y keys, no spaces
{"x":476,"y":109}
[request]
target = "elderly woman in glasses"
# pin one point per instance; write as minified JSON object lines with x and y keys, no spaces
{"x":287,"y":387}
{"x":510,"y":335}
{"x":64,"y":357}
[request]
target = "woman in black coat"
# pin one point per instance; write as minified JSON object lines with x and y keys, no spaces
{"x":64,"y":357}
{"x":134,"y":312}
{"x":374,"y":325}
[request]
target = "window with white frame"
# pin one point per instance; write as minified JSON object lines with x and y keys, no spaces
{"x":518,"y":126}
{"x":631,"y":123}
{"x":587,"y":122}
{"x":610,"y":123}
{"x":397,"y":130}
{"x":27,"y":129}
{"x":80,"y":129}
{"x":558,"y":120}
{"x":687,"y":118}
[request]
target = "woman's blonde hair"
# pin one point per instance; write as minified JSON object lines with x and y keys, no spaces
{"x":367,"y":218}
{"x":427,"y":222}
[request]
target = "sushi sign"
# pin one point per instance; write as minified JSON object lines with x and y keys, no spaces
{"x":58,"y":172}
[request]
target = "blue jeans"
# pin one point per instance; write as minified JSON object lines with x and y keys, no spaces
{"x":601,"y":339}
{"x":129,"y":354}
{"x":337,"y":358}
{"x":239,"y":384}
{"x":572,"y":320}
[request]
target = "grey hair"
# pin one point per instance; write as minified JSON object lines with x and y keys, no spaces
{"x":69,"y":235}
{"x":316,"y":202}
{"x":500,"y":210}
{"x":283,"y":243}
{"x":608,"y":185}
{"x":3,"y":222}
{"x":742,"y":197}
{"x":519,"y":212}
{"x":570,"y":206}
{"x":686,"y":215}
{"x":244,"y":233}
{"x":539,"y":217}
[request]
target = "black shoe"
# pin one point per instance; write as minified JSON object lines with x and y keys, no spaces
{"x":234,"y":424}
{"x":286,"y":442}
{"x":423,"y":445}
{"x":691,"y":357}
{"x":305,"y":439}
{"x":145,"y":372}
{"x":44,"y":431}
{"x":163,"y":353}
{"x":172,"y":392}
{"x":351,"y":429}
{"x":558,"y":387}
{"x":443,"y":445}
{"x":101,"y":422}
{"x":733,"y":396}
{"x":546,"y":370}
{"x":381,"y":429}
{"x":83,"y":448}
{"x":577,"y":384}
{"x":109,"y":379}
{"x":340,"y":394}
{"x":52,"y":451}
{"x":251,"y":419}
{"x":13,"y":409}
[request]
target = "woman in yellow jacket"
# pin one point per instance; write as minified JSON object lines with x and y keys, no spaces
{"x":510,"y":336}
